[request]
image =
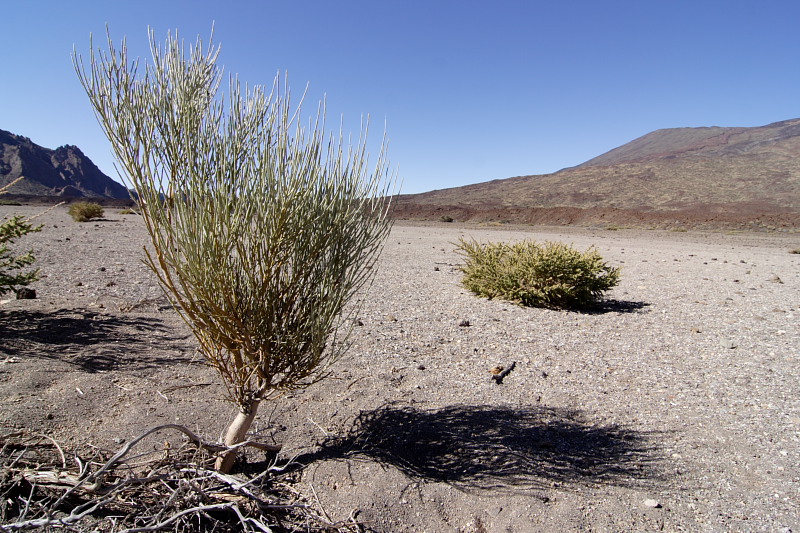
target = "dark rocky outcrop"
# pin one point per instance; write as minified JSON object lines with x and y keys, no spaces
{"x":65,"y":172}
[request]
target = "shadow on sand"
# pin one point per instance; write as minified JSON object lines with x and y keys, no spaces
{"x":91,"y":340}
{"x":489,"y":447}
{"x":615,"y":306}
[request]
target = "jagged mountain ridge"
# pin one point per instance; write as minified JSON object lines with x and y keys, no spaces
{"x":727,"y":173}
{"x":65,"y":172}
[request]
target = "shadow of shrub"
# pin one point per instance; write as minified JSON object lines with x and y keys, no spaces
{"x":489,"y":447}
{"x":91,"y":340}
{"x":615,"y":306}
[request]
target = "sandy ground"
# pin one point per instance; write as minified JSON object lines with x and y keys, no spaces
{"x":674,"y":408}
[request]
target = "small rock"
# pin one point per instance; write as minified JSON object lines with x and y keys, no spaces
{"x":497,"y":370}
{"x":653,"y":504}
{"x":464,"y":324}
{"x":119,"y":440}
{"x":775,"y":279}
{"x":436,"y":269}
{"x":421,"y":367}
{"x":729,"y":344}
{"x":26,"y":294}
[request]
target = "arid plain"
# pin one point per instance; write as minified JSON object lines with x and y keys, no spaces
{"x":674,"y":407}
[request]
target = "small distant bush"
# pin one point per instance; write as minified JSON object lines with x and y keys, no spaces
{"x":85,"y":211}
{"x":445,"y":218}
{"x":795,"y":251}
{"x":552,"y":274}
{"x":9,"y":202}
{"x":127,"y":212}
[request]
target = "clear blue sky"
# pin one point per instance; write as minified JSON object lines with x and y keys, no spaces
{"x":469,"y":91}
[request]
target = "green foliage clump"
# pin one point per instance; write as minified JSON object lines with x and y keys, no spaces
{"x":10,"y":230}
{"x":552,"y":274}
{"x":445,"y":218}
{"x":85,"y":211}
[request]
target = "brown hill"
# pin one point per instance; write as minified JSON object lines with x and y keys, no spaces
{"x":64,"y":172}
{"x":699,"y":177}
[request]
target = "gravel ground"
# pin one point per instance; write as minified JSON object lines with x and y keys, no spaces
{"x":674,"y":408}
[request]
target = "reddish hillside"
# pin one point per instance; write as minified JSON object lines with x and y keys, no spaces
{"x":699,"y":177}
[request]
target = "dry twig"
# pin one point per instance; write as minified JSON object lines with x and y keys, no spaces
{"x":172,"y":488}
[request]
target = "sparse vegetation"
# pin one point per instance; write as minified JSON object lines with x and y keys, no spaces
{"x":85,"y":211}
{"x":445,"y":218}
{"x":262,"y":247}
{"x":552,"y":274}
{"x":795,"y":251}
{"x":11,"y":230}
{"x":127,"y":211}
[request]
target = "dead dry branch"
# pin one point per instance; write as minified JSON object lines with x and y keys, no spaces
{"x":148,"y":484}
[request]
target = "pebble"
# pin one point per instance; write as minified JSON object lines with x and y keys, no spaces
{"x":652,"y":503}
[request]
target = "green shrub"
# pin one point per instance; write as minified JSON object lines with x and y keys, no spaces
{"x":551,"y":275}
{"x":127,"y":211}
{"x":85,"y":211}
{"x":445,"y":218}
{"x":11,"y":230}
{"x":264,"y":231}
{"x":795,"y":251}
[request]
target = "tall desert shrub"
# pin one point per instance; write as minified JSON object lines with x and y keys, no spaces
{"x":263,"y":231}
{"x":551,"y":274}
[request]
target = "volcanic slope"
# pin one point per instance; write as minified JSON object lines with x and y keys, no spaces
{"x":695,"y":176}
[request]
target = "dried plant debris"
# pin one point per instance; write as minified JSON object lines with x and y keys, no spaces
{"x":149,"y":484}
{"x":499,"y":373}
